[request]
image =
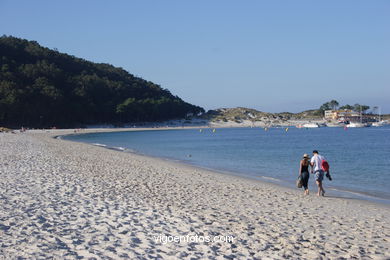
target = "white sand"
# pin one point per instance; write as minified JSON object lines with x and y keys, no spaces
{"x":68,"y":200}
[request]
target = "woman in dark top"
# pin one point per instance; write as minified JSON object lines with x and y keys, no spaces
{"x":304,"y":172}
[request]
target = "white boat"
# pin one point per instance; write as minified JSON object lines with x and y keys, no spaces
{"x":310,"y":125}
{"x":335,"y":124}
{"x":356,"y":125}
{"x":380,"y":123}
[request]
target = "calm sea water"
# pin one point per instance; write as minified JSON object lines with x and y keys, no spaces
{"x":359,"y":158}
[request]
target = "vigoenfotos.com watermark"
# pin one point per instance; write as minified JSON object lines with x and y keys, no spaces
{"x":165,"y":239}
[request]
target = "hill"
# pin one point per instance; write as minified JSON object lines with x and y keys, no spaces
{"x":40,"y":87}
{"x":241,"y":114}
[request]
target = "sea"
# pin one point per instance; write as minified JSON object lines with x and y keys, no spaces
{"x":359,"y":158}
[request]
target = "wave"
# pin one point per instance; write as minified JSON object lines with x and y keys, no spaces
{"x":101,"y":145}
{"x":270,"y":178}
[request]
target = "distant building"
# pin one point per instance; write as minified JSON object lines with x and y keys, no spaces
{"x":331,"y":114}
{"x":346,"y":115}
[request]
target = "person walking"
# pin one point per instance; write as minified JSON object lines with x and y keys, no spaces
{"x":304,"y":172}
{"x":315,"y":163}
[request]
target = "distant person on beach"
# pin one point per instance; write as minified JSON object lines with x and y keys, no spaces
{"x":304,"y":172}
{"x":315,"y":163}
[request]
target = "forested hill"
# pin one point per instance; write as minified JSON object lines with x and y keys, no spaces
{"x":40,"y":87}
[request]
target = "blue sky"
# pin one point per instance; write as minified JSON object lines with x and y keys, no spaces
{"x":270,"y":55}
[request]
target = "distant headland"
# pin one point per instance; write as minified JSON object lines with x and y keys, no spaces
{"x":40,"y":87}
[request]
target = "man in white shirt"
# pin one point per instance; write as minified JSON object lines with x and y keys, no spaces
{"x":315,"y":163}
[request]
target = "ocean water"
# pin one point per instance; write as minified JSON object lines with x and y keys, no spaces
{"x":359,"y":158}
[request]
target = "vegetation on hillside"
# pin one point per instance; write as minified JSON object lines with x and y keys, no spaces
{"x":240,"y":114}
{"x":333,"y":105}
{"x":40,"y":87}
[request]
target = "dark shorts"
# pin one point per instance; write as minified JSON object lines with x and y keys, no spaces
{"x":305,"y":179}
{"x":319,"y":175}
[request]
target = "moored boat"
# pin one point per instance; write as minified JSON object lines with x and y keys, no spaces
{"x":356,"y":125}
{"x":380,"y":123}
{"x":335,"y":124}
{"x":310,"y":125}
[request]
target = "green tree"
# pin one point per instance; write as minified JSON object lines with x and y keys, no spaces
{"x":362,"y":108}
{"x":42,"y":87}
{"x":349,"y":107}
{"x":334,"y":104}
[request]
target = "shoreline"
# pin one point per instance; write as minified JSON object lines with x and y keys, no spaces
{"x":338,"y":192}
{"x":66,"y":199}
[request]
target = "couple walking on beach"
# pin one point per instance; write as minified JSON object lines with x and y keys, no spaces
{"x":318,"y":166}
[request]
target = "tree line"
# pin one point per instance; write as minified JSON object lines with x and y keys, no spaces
{"x":334,"y":104}
{"x":40,"y":87}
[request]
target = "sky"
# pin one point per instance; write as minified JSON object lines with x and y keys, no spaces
{"x":272,"y":55}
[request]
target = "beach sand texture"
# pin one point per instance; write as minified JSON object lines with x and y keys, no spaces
{"x":70,"y":200}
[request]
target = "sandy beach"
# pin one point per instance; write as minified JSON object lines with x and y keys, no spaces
{"x":67,"y":200}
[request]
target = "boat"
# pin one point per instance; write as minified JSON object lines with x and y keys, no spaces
{"x":342,"y":124}
{"x":356,"y":125}
{"x":380,"y":123}
{"x":310,"y":125}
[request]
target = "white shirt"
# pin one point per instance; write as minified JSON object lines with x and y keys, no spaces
{"x":316,"y":160}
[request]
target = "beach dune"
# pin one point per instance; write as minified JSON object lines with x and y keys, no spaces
{"x":70,"y":200}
